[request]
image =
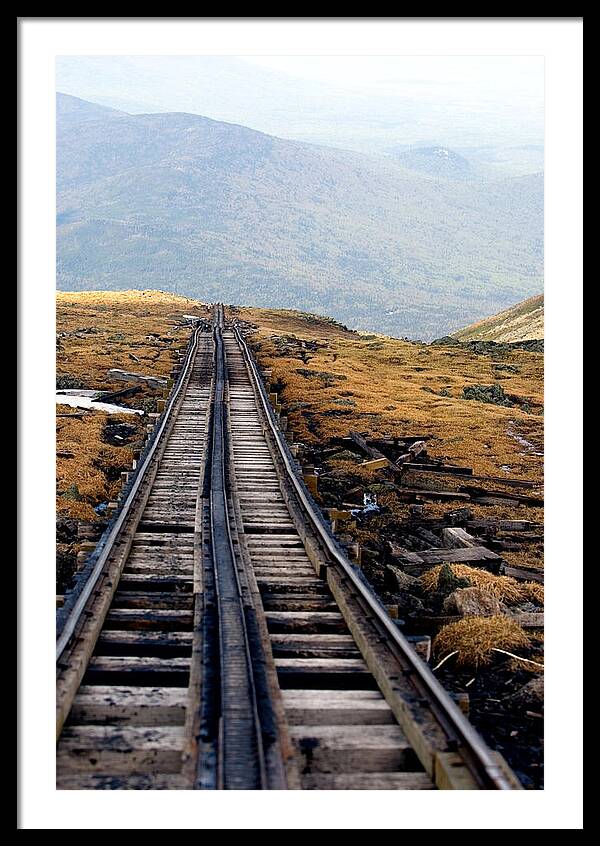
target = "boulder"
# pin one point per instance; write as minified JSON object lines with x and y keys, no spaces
{"x":398,"y":580}
{"x":530,"y":696}
{"x":472,"y":601}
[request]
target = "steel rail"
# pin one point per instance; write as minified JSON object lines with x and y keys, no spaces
{"x":240,"y":761}
{"x":74,"y":616}
{"x":475,"y":751}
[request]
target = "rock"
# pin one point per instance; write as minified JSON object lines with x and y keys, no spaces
{"x":530,"y":696}
{"x":458,"y":516}
{"x":398,"y":580}
{"x":407,"y":603}
{"x":472,"y":601}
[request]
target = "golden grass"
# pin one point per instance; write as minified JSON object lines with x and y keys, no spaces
{"x":533,"y":591}
{"x":475,"y":638}
{"x":123,"y":324}
{"x":83,"y":480}
{"x":396,"y":387}
{"x":504,"y":588}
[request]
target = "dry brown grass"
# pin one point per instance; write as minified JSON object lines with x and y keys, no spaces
{"x":84,"y":480}
{"x":396,"y":387}
{"x":474,"y":639}
{"x":139,"y":323}
{"x":504,"y":588}
{"x":533,"y":591}
{"x":122,"y":323}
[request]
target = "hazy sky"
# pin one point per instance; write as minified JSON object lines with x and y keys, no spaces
{"x":370,"y":103}
{"x":499,"y":76}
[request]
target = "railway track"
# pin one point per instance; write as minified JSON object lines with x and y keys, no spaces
{"x":219,"y":638}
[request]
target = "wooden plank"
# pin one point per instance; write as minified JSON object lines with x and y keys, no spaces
{"x":375,"y":464}
{"x":449,"y":469}
{"x":332,"y":666}
{"x":456,"y":538}
{"x":159,"y":781}
{"x":367,"y":781}
{"x":467,"y":472}
{"x":503,"y":525}
{"x":373,"y":454}
{"x":115,"y":374}
{"x":298,"y":621}
{"x":479,"y":493}
{"x":424,"y":493}
{"x":136,"y":619}
{"x":336,"y":707}
{"x":127,"y":705}
{"x":120,"y":750}
{"x":466,"y":555}
{"x":346,"y":748}
{"x":524,"y":574}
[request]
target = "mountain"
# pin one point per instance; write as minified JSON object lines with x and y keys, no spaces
{"x":186,"y":204}
{"x":522,"y":322}
{"x":71,"y":110}
{"x":437,"y":161}
{"x":368,"y":104}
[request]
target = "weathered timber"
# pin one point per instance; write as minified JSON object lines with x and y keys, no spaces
{"x":477,"y":492}
{"x":457,"y":538}
{"x":446,"y":469}
{"x":372,"y":453}
{"x":523,"y":574}
{"x":427,"y":494}
{"x":405,"y":556}
{"x":468,"y":555}
{"x":503,"y":525}
{"x":115,"y":374}
{"x":497,"y":501}
{"x":126,"y":392}
{"x":467,"y":472}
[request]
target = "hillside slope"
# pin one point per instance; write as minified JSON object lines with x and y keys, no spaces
{"x":522,"y":322}
{"x":215,"y":210}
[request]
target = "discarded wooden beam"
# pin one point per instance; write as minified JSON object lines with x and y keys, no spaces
{"x":372,"y":453}
{"x":496,"y":500}
{"x":524,"y":574}
{"x":115,"y":374}
{"x":427,"y":494}
{"x":479,"y":493}
{"x":503,"y":525}
{"x":375,"y":464}
{"x":467,"y":472}
{"x":126,"y":392}
{"x":456,"y":538}
{"x":404,"y":556}
{"x":468,"y":555}
{"x":449,"y":469}
{"x":417,"y":563}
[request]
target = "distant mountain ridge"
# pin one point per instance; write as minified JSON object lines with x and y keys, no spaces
{"x":214,"y":210}
{"x":522,"y":322}
{"x":437,"y":160}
